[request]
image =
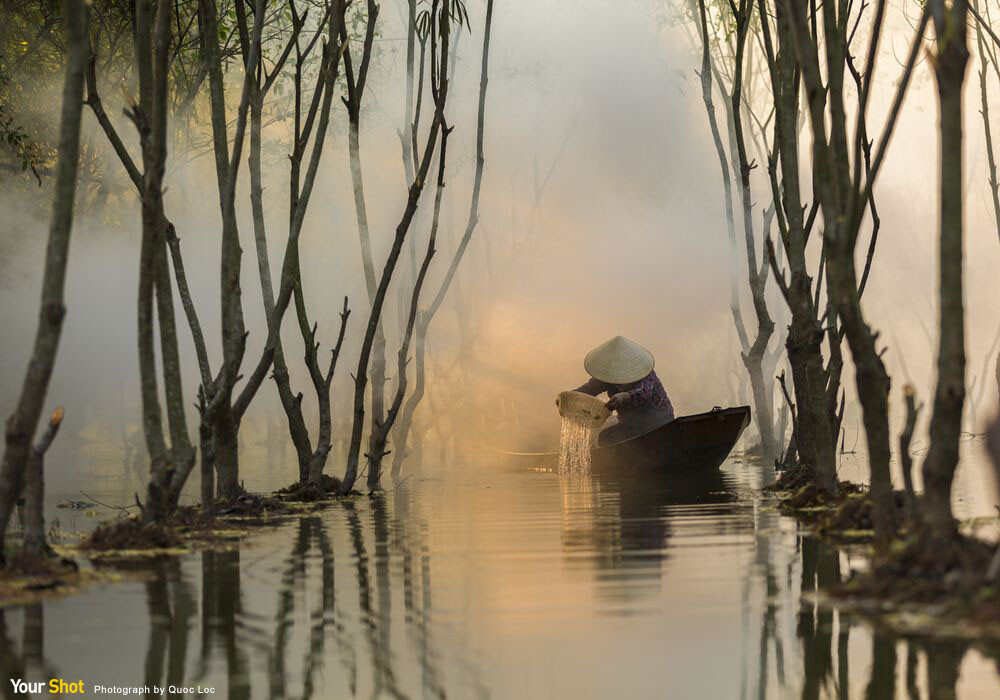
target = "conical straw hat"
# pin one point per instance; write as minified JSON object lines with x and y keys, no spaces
{"x":619,"y":361}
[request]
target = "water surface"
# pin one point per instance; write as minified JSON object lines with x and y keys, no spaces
{"x":505,"y":584}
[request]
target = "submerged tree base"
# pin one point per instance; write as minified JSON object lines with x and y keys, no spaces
{"x":133,"y":537}
{"x":809,"y":497}
{"x":920,"y":569}
{"x":947,"y":580}
{"x":251,"y":505}
{"x":921,"y":584}
{"x":308,"y":492}
{"x":131,"y":534}
{"x":845,"y":516}
{"x":852,"y":518}
{"x":25,"y":563}
{"x":794,"y":478}
{"x":29,"y":577}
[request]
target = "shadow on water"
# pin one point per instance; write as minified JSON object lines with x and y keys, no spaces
{"x":621,"y":525}
{"x":897,"y":666}
{"x":533,"y":577}
{"x":27,"y":660}
{"x":310,"y":542}
{"x":171,"y":606}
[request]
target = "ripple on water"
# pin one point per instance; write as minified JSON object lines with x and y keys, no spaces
{"x":501,"y":584}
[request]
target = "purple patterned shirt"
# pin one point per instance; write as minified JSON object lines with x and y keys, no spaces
{"x":645,"y":396}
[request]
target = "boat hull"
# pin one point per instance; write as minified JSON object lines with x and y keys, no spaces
{"x":699,"y":441}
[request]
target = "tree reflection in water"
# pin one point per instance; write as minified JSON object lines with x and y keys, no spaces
{"x":623,"y":528}
{"x":223,"y":617}
{"x":894,"y":662}
{"x":309,"y":534}
{"x":280,"y":619}
{"x":172,"y":607}
{"x":410,"y":539}
{"x":820,"y":568}
{"x":29,"y":663}
{"x":376,"y":622}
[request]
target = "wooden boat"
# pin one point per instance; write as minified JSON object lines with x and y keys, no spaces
{"x":697,"y":442}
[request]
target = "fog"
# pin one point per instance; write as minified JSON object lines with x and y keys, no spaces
{"x":601,"y":215}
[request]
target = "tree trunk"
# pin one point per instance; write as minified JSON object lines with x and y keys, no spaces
{"x":226,"y":453}
{"x":165,"y":485}
{"x":34,"y":506}
{"x":227,"y":164}
{"x":423,"y":319}
{"x":321,"y":383}
{"x":377,"y":373}
{"x":291,"y":403}
{"x":752,"y":354}
{"x":871,"y":379}
{"x":168,"y":465}
{"x":380,"y":432}
{"x":814,"y":436}
{"x":309,"y":462}
{"x":763,"y":404}
{"x":405,"y":424}
{"x":21,"y":425}
{"x":34,"y":490}
{"x":356,"y":82}
{"x":844,"y":197}
{"x":942,"y":458}
{"x":374,"y":319}
{"x":905,"y":459}
{"x":206,"y":443}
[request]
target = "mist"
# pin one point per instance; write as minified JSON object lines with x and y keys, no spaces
{"x":601,"y":215}
{"x":815,"y":502}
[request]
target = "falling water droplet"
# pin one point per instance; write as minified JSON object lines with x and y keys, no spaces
{"x":574,"y":444}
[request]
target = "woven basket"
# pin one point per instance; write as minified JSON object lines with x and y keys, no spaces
{"x":575,"y":404}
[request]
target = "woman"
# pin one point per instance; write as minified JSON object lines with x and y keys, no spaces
{"x":624,"y":370}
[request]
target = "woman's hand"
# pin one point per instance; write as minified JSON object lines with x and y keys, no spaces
{"x":617,"y":401}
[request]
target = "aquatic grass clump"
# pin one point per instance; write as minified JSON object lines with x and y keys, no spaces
{"x":794,"y":477}
{"x":309,"y":492}
{"x":810,"y":497}
{"x":852,"y":519}
{"x":846,"y":515}
{"x":131,"y":534}
{"x":251,"y":505}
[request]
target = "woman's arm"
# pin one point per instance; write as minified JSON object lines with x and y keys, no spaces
{"x":643,"y":392}
{"x":593,"y":387}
